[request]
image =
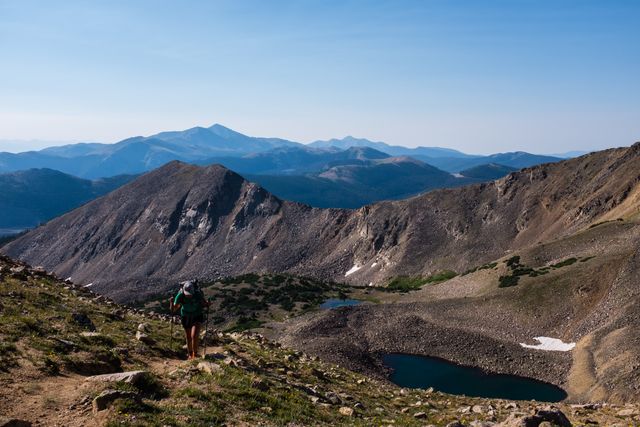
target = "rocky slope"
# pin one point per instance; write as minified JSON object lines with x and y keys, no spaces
{"x":72,"y":358}
{"x":185,"y":221}
{"x":581,"y":289}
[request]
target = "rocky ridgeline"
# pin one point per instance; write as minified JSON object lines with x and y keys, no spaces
{"x":245,"y":378}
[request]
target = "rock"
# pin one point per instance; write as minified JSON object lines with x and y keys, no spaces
{"x":455,"y":424}
{"x":477,"y":423}
{"x":107,"y":397}
{"x":587,"y":406}
{"x":511,"y":405}
{"x":333,"y":398}
{"x":142,"y":337}
{"x":131,"y":377}
{"x":477,"y":409}
{"x":630,"y":412}
{"x":420,"y":415}
{"x":346,"y":411}
{"x":13,"y":422}
{"x":83,"y":320}
{"x":68,"y":345}
{"x":266,"y":409}
{"x":143,"y":327}
{"x":90,"y":334}
{"x":547,"y":414}
{"x":209,"y":367}
{"x":554,"y":416}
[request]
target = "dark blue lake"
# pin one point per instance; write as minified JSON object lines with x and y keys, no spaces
{"x":424,"y":372}
{"x":335,"y":303}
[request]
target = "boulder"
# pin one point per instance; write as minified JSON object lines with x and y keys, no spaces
{"x":548,"y":414}
{"x":333,"y":398}
{"x":346,"y":411}
{"x":107,"y":397}
{"x":142,"y":337}
{"x":131,"y":377}
{"x":209,"y":367}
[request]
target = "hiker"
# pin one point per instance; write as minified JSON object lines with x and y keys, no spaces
{"x":191,"y":302}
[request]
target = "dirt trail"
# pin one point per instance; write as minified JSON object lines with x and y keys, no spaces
{"x":44,"y":400}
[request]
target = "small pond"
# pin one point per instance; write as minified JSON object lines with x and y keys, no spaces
{"x":335,"y":303}
{"x":424,"y":372}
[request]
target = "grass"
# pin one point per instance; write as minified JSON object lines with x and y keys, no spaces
{"x":487,"y":266}
{"x":565,"y":263}
{"x":518,"y":270}
{"x":411,"y":283}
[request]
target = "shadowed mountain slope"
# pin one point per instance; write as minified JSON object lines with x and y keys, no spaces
{"x":362,"y":183}
{"x":34,"y":196}
{"x":185,"y":221}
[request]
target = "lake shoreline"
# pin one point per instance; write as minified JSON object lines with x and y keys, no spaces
{"x":535,"y":388}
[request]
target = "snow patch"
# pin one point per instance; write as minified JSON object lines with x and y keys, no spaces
{"x":457,"y":175}
{"x":550,"y":344}
{"x":89,"y":285}
{"x":353,"y":269}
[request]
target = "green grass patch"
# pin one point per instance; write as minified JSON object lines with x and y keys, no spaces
{"x":508,"y":281}
{"x":565,"y":263}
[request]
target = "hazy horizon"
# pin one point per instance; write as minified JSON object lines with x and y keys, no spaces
{"x":537,"y":76}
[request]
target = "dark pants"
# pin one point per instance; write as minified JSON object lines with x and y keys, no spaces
{"x":189,"y":320}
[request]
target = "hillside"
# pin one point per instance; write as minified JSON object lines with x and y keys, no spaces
{"x":59,"y":339}
{"x":579,"y":289}
{"x":185,"y":221}
{"x":488,"y":172}
{"x":517,"y":160}
{"x":34,"y":196}
{"x":356,"y":185}
{"x":296,"y":160}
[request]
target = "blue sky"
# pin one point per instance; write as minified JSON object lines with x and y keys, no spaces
{"x":480,"y":76}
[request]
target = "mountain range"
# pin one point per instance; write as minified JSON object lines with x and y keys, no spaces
{"x":218,"y":144}
{"x":322,"y":178}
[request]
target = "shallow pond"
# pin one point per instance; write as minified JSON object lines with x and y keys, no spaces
{"x":424,"y":372}
{"x":335,"y":303}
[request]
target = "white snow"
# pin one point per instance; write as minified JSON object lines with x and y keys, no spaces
{"x":550,"y":344}
{"x":352,"y":270}
{"x":457,"y":175}
{"x":89,"y":285}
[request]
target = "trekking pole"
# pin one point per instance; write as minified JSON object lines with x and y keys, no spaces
{"x":171,"y":319}
{"x":206,"y":333}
